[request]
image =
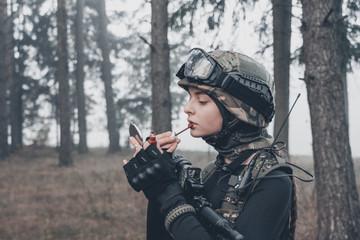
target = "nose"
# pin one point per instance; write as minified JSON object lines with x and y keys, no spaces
{"x":188,"y":109}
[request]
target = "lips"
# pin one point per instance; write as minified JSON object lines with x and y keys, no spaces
{"x":191,"y":123}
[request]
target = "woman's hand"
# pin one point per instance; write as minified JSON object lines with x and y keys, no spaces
{"x":164,"y":141}
{"x":167,"y":141}
{"x":151,"y":170}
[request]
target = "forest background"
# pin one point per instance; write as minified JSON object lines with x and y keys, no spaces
{"x":42,"y":92}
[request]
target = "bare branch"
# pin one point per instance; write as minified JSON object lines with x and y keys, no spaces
{"x":325,"y":21}
{"x":145,"y":41}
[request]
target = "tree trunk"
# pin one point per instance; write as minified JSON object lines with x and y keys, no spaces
{"x":16,"y":104}
{"x":160,"y":69}
{"x":80,"y":93}
{"x":107,"y":78}
{"x":282,"y":39}
{"x":337,"y":197}
{"x":65,"y":157}
{"x":345,"y":58}
{"x":4,"y":147}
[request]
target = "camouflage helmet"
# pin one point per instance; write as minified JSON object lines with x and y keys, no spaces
{"x":241,"y":84}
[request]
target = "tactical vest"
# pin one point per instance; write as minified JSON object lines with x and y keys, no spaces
{"x":234,"y":201}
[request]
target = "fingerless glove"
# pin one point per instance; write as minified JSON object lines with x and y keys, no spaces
{"x":150,"y":171}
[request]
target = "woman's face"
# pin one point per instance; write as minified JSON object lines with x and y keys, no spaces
{"x":203,"y":114}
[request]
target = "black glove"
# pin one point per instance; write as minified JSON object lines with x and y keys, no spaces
{"x":150,"y":171}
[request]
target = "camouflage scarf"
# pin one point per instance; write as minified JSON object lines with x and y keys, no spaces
{"x":232,"y":141}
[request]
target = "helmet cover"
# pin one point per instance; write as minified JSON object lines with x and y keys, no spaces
{"x":236,"y":62}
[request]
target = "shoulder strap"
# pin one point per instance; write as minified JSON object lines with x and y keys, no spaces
{"x":208,"y":171}
{"x":234,"y":201}
{"x":271,"y":162}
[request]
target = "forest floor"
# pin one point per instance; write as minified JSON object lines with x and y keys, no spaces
{"x":92,"y":199}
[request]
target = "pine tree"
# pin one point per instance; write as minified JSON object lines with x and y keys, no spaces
{"x":80,"y":75}
{"x":337,"y":196}
{"x":65,"y":156}
{"x":160,"y":69}
{"x":4,"y":148}
{"x":282,"y":38}
{"x":107,"y":79}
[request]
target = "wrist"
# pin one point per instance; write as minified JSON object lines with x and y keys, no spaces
{"x":170,"y":203}
{"x":172,"y":190}
{"x":176,"y":213}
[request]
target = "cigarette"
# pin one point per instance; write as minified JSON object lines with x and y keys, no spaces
{"x":189,"y":126}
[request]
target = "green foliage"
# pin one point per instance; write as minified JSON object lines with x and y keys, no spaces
{"x":351,"y":45}
{"x":185,"y":13}
{"x":135,"y":103}
{"x":354,"y":7}
{"x":133,"y":61}
{"x":264,"y":30}
{"x":34,"y":62}
{"x":212,"y":10}
{"x":353,"y":36}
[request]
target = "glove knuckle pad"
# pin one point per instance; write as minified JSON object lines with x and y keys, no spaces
{"x":149,"y":170}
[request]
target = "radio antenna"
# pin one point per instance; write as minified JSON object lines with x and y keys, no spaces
{"x":252,"y":163}
{"x":285,"y":120}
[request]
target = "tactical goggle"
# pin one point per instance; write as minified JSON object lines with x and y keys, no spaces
{"x":201,"y":68}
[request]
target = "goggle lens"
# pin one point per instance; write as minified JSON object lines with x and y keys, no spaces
{"x":198,"y":66}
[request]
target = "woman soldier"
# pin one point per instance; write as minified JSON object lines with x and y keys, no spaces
{"x":231,"y":104}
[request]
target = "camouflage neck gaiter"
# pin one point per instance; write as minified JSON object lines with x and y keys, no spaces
{"x":236,"y":137}
{"x":230,"y":144}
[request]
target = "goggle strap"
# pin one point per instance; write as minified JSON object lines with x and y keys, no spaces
{"x":241,"y":91}
{"x":220,"y":79}
{"x":255,"y":84}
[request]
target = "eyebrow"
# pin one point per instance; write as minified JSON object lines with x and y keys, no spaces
{"x":198,"y":92}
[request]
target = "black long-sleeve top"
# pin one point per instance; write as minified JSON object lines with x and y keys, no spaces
{"x":265,"y":214}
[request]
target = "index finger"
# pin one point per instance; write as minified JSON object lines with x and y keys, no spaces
{"x":163,"y":135}
{"x":135,"y":144}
